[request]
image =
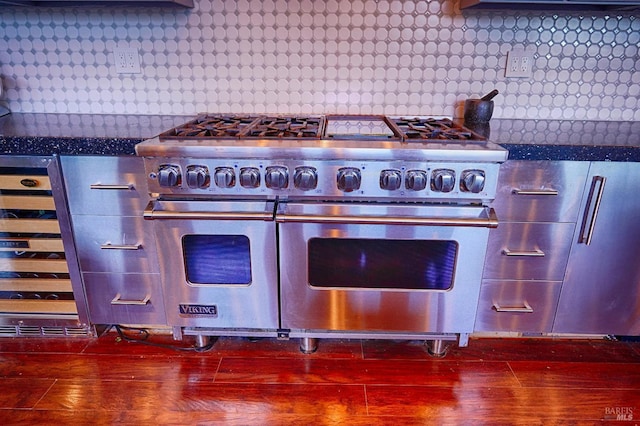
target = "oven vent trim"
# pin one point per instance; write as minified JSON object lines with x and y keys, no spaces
{"x":44,"y":331}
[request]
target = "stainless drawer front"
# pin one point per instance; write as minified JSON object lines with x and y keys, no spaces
{"x":115,"y":244}
{"x":105,"y":185}
{"x":125,"y":298}
{"x":520,"y":306}
{"x":528,"y":251}
{"x":540,"y":191}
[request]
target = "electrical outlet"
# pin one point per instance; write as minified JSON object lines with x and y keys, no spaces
{"x":127,"y":60}
{"x":519,"y":63}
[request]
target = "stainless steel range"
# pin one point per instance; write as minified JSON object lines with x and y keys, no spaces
{"x":322,"y":226}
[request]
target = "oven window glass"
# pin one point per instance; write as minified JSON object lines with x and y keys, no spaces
{"x":217,"y":259}
{"x":374,"y":263}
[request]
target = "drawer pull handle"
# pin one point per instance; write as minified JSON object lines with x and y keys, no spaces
{"x":128,"y":187}
{"x":517,"y":191}
{"x":591,"y":210}
{"x":525,"y":308}
{"x":29,"y":183}
{"x":532,"y":253}
{"x":108,"y":246}
{"x":118,"y":301}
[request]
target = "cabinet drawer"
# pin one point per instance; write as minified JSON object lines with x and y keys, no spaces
{"x":540,"y":191}
{"x":124,"y":298}
{"x":520,"y":306}
{"x":115,"y":244}
{"x":528,"y":251}
{"x":105,"y":185}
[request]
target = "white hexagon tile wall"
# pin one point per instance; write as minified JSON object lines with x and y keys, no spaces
{"x":404,"y":57}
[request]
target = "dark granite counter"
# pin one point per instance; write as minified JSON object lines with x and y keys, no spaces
{"x":566,"y":140}
{"x":78,"y":134}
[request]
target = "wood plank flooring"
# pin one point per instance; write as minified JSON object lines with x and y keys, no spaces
{"x":78,"y":381}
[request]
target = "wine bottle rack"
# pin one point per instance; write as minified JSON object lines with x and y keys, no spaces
{"x":36,"y":289}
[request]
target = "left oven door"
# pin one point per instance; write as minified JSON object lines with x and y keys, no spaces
{"x":218,"y":261}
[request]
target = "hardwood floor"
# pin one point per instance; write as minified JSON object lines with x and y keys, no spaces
{"x":267,"y":381}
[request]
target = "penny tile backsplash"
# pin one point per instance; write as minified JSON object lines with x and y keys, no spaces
{"x":404,"y":57}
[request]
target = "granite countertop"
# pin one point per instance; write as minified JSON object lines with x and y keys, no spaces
{"x":80,"y":134}
{"x":568,"y":140}
{"x":87,"y":134}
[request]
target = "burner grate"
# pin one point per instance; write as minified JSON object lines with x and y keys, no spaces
{"x":232,"y":126}
{"x":434,"y":129}
{"x":286,"y":127}
{"x":212,"y":126}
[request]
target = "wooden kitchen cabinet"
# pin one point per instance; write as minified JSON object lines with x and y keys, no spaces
{"x":537,"y":205}
{"x":116,"y":246}
{"x":601,"y":290}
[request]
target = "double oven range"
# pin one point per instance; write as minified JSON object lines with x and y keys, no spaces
{"x":321,"y":226}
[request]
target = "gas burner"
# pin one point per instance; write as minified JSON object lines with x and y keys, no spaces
{"x":434,"y":129}
{"x":212,"y":126}
{"x":286,"y":127}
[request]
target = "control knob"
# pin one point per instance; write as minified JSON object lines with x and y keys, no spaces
{"x":443,"y":180}
{"x":276,"y":177}
{"x":415,"y":180}
{"x":472,"y":181}
{"x":169,"y":175}
{"x":348,"y":179}
{"x":249,"y":177}
{"x":197,"y":177}
{"x":224,"y":177}
{"x":390,"y":179}
{"x":305,"y":178}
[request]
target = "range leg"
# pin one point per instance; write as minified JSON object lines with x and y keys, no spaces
{"x":308,"y":345}
{"x":202,"y":341}
{"x":437,"y":348}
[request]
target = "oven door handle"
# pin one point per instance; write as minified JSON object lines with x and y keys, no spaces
{"x":490,"y":221}
{"x":154,"y":212}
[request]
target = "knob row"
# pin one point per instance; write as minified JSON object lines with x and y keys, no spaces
{"x":442,"y":180}
{"x":275,"y":177}
{"x":305,"y":178}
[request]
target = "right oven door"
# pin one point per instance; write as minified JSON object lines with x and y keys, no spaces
{"x":381,"y":267}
